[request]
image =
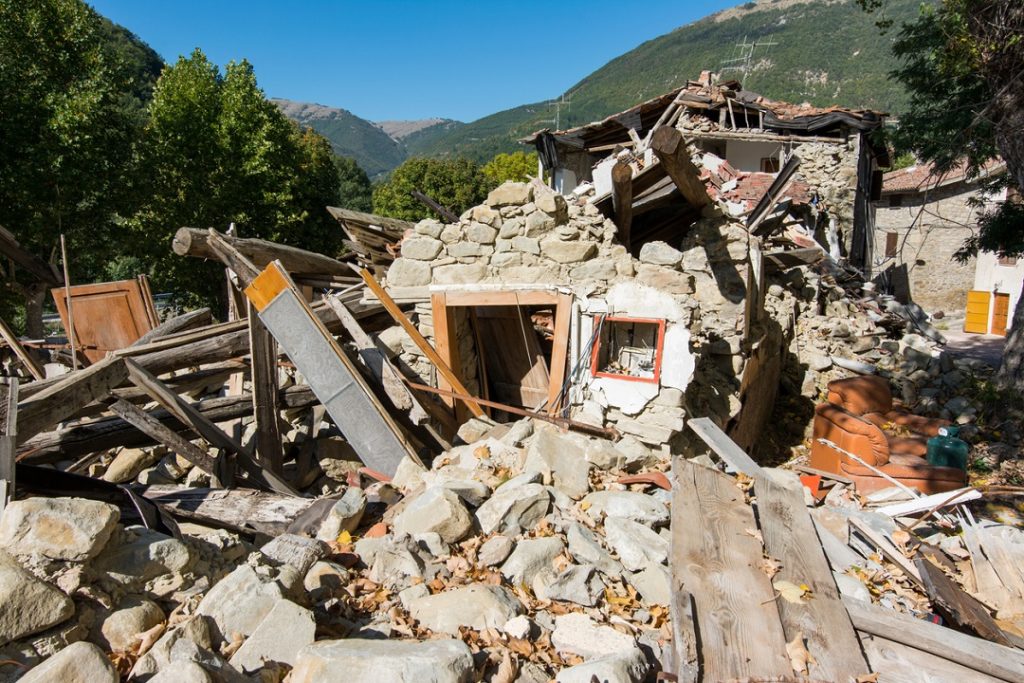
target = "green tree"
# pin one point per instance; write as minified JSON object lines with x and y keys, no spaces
{"x":217,"y":152}
{"x":353,"y":185}
{"x":457,"y":184}
{"x":69,"y":112}
{"x":518,"y":166}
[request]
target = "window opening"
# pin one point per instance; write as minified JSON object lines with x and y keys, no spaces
{"x":629,"y":348}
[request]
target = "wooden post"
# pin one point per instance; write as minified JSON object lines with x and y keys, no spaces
{"x":8,"y":429}
{"x":263,"y":348}
{"x":672,"y":151}
{"x":71,"y":311}
{"x":622,"y":200}
{"x":28,"y":361}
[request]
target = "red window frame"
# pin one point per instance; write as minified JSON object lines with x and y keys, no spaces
{"x":600,"y":320}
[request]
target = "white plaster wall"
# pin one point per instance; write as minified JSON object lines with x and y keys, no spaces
{"x":746,"y":155}
{"x":989,"y":276}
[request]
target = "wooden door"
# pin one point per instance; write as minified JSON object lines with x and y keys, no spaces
{"x":1000,"y":314}
{"x":516,"y":370}
{"x":108,"y":315}
{"x":976,"y":320}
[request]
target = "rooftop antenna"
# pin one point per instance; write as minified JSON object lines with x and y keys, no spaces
{"x":745,"y":51}
{"x":557,"y":121}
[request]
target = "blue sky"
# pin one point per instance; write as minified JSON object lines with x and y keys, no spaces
{"x":408,"y":59}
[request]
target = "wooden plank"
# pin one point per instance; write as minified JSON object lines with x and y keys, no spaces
{"x":898,"y":663}
{"x":959,"y":607}
{"x":195,"y":242}
{"x":263,"y":354}
{"x":887,"y":549}
{"x":158,"y":431}
{"x":442,"y":367}
{"x":684,"y":635}
{"x":725,"y":447}
{"x":241,"y":509}
{"x":560,"y":352}
{"x":189,"y":415}
{"x":980,"y":655}
{"x":200,"y":317}
{"x":674,"y":154}
{"x":8,"y":431}
{"x":108,"y":316}
{"x":510,"y":351}
{"x":504,"y":297}
{"x":789,"y":537}
{"x":27,"y":360}
{"x":825,"y":475}
{"x":66,"y":397}
{"x":717,"y":560}
{"x":622,"y":200}
{"x":926,"y":503}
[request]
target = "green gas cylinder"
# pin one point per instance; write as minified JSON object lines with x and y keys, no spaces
{"x":946,"y":450}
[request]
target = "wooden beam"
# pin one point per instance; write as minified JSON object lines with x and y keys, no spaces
{"x":559,"y":353}
{"x":717,"y":561}
{"x":361,"y":218}
{"x":981,"y":655}
{"x":159,"y":432}
{"x":263,"y":346}
{"x":442,"y":368}
{"x":445,"y":213}
{"x":196,"y":242}
{"x":622,"y":200}
{"x":887,"y":549}
{"x":237,"y":509}
{"x":201,"y":317}
{"x":789,"y":537}
{"x":501,"y":297}
{"x":8,"y":430}
{"x":66,"y":397}
{"x":726,"y":448}
{"x":27,"y":360}
{"x":674,"y":155}
{"x":45,"y":272}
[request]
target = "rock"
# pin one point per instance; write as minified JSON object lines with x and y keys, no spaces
{"x":296,"y":551}
{"x":595,"y":269}
{"x":77,"y":663}
{"x":127,"y":464}
{"x":586,"y":549}
{"x":510,"y":193}
{"x":405,"y":272}
{"x":578,"y":634}
{"x":325,"y":579}
{"x":472,"y":492}
{"x":146,"y":555}
{"x":562,"y":461}
{"x":285,"y":630}
{"x":578,"y":584}
{"x":466,"y":249}
{"x":355,"y":660}
{"x":518,"y":627}
{"x":344,"y":516}
{"x":638,"y":507}
{"x":512,"y":510}
{"x":636,"y":545}
{"x":566,"y":252}
{"x":477,"y":606}
{"x":133,"y":617}
{"x":481,"y":234}
{"x":628,"y":666}
{"x":528,"y":245}
{"x":530,"y":557}
{"x":395,"y":562}
{"x":653,"y":584}
{"x":408,"y":475}
{"x":421,"y":248}
{"x":495,"y":550}
{"x":660,"y":254}
{"x":185,"y":651}
{"x":460,"y":274}
{"x":72,"y":529}
{"x":485,"y":214}
{"x":239,"y":602}
{"x":538,"y":224}
{"x":553,"y":204}
{"x":27,"y":605}
{"x":183,"y":672}
{"x":603,"y":455}
{"x":195,"y":629}
{"x":436,"y":510}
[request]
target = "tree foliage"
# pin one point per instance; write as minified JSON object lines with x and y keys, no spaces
{"x":517,"y":166}
{"x":215,"y":151}
{"x":354,"y":187}
{"x":457,"y":184}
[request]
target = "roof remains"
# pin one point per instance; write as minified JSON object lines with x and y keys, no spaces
{"x":923,"y":177}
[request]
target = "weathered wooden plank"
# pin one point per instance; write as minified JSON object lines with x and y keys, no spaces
{"x":27,"y":360}
{"x":684,"y":635}
{"x":789,"y":537}
{"x":717,"y":560}
{"x":263,"y":348}
{"x":240,"y":509}
{"x":1006,"y":663}
{"x":899,"y":663}
{"x":201,"y":317}
{"x":726,"y":448}
{"x":195,"y":242}
{"x":8,"y":430}
{"x":45,"y":272}
{"x":674,"y":154}
{"x":886,"y":547}
{"x":73,"y":392}
{"x":158,"y":431}
{"x":959,"y":607}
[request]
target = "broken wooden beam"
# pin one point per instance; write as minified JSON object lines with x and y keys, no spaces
{"x":719,"y":442}
{"x":196,"y":242}
{"x":201,"y":317}
{"x":622,"y":200}
{"x":8,"y":431}
{"x":444,"y":213}
{"x":161,"y":433}
{"x":263,"y":354}
{"x":674,"y":154}
{"x":23,"y":355}
{"x":67,"y":396}
{"x":240,"y":510}
{"x":46,"y":273}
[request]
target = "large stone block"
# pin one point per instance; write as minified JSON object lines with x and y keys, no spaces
{"x":406,"y":272}
{"x":285,"y":630}
{"x":459,"y":274}
{"x":421,"y":248}
{"x":660,"y":254}
{"x":510,"y":193}
{"x":28,"y":605}
{"x":356,"y":660}
{"x":73,"y":529}
{"x":476,"y":606}
{"x":438,"y":510}
{"x":77,"y":663}
{"x":567,"y":252}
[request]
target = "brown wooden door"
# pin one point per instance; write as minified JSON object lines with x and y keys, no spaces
{"x":108,"y":315}
{"x":517,"y":372}
{"x":976,"y":320}
{"x":1000,"y":314}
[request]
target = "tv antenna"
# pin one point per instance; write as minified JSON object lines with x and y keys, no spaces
{"x":559,"y":103}
{"x":745,"y":51}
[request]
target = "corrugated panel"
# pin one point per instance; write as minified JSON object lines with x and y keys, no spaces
{"x":976,"y":319}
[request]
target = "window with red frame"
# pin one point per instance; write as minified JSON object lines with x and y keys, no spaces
{"x":628,"y":348}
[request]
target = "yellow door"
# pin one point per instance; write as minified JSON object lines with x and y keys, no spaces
{"x":976,"y":320}
{"x":1000,"y":314}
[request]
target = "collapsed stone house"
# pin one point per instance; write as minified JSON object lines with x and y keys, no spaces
{"x":921,"y":219}
{"x":558,"y":299}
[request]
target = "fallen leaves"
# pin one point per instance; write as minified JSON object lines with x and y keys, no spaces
{"x":790,"y":592}
{"x":799,"y":656}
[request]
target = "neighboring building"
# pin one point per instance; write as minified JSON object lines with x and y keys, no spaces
{"x":921,"y":220}
{"x":997,"y":287}
{"x":755,"y":136}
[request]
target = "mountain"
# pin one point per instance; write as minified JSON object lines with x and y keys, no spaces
{"x":822,"y":51}
{"x":350,"y":136}
{"x":399,"y":130}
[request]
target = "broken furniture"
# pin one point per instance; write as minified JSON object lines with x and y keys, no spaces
{"x":108,"y":316}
